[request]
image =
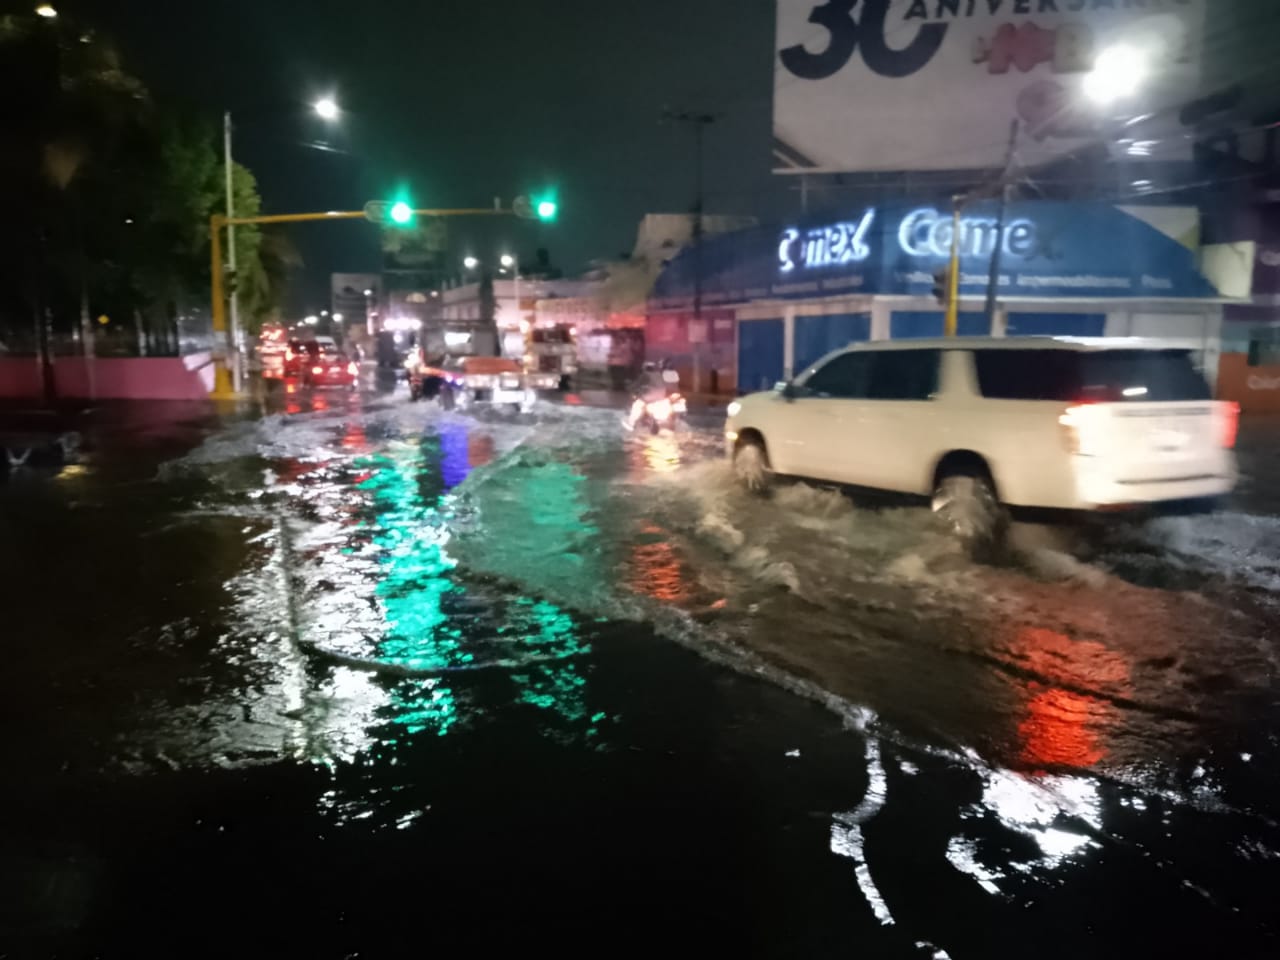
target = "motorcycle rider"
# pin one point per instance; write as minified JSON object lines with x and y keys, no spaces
{"x":649,"y":388}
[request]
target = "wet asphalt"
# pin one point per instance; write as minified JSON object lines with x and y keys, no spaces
{"x":336,"y":675}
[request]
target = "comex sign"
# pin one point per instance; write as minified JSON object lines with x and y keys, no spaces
{"x":828,"y":246}
{"x":923,"y":233}
{"x":927,"y":233}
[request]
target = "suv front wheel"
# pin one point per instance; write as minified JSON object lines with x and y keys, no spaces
{"x":751,"y":466}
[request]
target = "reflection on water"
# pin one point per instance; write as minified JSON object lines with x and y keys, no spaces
{"x":655,"y":568}
{"x":1060,"y":730}
{"x":407,"y":645}
{"x":1071,"y":694}
{"x":654,"y":454}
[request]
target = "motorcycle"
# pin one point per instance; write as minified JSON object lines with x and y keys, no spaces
{"x":667,"y":412}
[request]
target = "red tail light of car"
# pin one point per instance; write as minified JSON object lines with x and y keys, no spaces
{"x":1080,"y":428}
{"x":1230,"y":424}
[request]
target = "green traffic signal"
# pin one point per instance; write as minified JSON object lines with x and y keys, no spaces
{"x":401,"y":213}
{"x":547,"y":209}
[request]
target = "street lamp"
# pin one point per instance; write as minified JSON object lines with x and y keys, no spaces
{"x":327,"y":109}
{"x":470,"y":262}
{"x":46,"y":10}
{"x":511,"y":263}
{"x":1118,"y":71}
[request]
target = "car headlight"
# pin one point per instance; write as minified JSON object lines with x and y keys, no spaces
{"x":734,"y":408}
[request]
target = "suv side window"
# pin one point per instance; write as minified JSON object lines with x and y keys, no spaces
{"x":1028,"y":374}
{"x":903,"y":374}
{"x":843,"y":376}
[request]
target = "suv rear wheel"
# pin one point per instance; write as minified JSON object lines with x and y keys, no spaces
{"x":965,"y":498}
{"x":751,"y":466}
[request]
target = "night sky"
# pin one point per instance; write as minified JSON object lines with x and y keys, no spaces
{"x":461,"y":100}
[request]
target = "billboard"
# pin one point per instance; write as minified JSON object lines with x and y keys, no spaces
{"x":936,"y":84}
{"x":1048,"y":250}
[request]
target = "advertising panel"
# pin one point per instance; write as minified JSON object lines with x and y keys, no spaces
{"x":1048,"y":250}
{"x":935,"y":84}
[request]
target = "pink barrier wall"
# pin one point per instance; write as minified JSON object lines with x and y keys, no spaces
{"x":19,"y":377}
{"x":114,"y":378}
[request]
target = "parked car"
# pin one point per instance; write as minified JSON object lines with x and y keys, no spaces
{"x":297,"y":353}
{"x":330,"y":367}
{"x":980,"y":424}
{"x":464,"y":381}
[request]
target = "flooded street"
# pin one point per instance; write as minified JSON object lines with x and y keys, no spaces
{"x":353,"y":677}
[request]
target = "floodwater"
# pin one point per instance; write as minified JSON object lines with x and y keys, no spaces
{"x":354,"y":677}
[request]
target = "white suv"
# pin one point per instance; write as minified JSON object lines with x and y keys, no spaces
{"x":1073,"y":424}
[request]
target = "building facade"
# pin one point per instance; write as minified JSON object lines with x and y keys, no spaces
{"x":754,"y":307}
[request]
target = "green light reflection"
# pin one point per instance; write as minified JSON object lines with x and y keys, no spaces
{"x":431,"y":625}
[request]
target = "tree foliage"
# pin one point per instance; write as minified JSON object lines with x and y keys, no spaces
{"x":110,"y":192}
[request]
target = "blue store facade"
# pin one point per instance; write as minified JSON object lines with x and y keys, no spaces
{"x":775,"y":299}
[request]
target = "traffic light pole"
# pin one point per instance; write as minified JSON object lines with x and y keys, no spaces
{"x":224,"y":385}
{"x":953,"y":272}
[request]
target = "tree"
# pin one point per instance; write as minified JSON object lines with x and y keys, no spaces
{"x":111,"y":193}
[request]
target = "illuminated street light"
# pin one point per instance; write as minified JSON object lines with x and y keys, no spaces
{"x":312,"y":320}
{"x":337,"y":318}
{"x":327,"y":108}
{"x":470,"y":262}
{"x":324,"y":313}
{"x":46,"y":10}
{"x":508,"y":260}
{"x":1118,"y":72}
{"x":368,"y":292}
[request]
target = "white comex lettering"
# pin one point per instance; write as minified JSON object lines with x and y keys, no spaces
{"x":927,"y":233}
{"x":828,"y":246}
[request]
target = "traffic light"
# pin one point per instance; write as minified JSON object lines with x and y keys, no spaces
{"x":401,"y":213}
{"x":546,"y":208}
{"x":942,"y":285}
{"x":389,"y":213}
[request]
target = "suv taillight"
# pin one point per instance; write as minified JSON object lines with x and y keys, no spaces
{"x":1230,"y":424}
{"x":1079,"y":424}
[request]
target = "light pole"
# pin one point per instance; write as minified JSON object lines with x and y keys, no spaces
{"x":368,"y":310}
{"x":327,"y":109}
{"x":511,"y":263}
{"x":699,"y":121}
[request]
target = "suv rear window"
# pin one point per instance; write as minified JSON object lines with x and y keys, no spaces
{"x":1071,"y":376}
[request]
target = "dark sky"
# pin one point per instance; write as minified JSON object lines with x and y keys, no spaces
{"x":462,"y":100}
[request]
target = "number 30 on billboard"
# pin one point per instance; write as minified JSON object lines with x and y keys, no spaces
{"x":938,"y":81}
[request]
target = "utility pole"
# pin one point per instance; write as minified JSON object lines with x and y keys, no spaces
{"x":699,"y":122}
{"x":233,"y":349}
{"x":993,"y":276}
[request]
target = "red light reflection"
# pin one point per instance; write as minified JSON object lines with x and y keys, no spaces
{"x":1059,"y":730}
{"x":480,"y":449}
{"x":656,"y":570}
{"x":1064,"y":723}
